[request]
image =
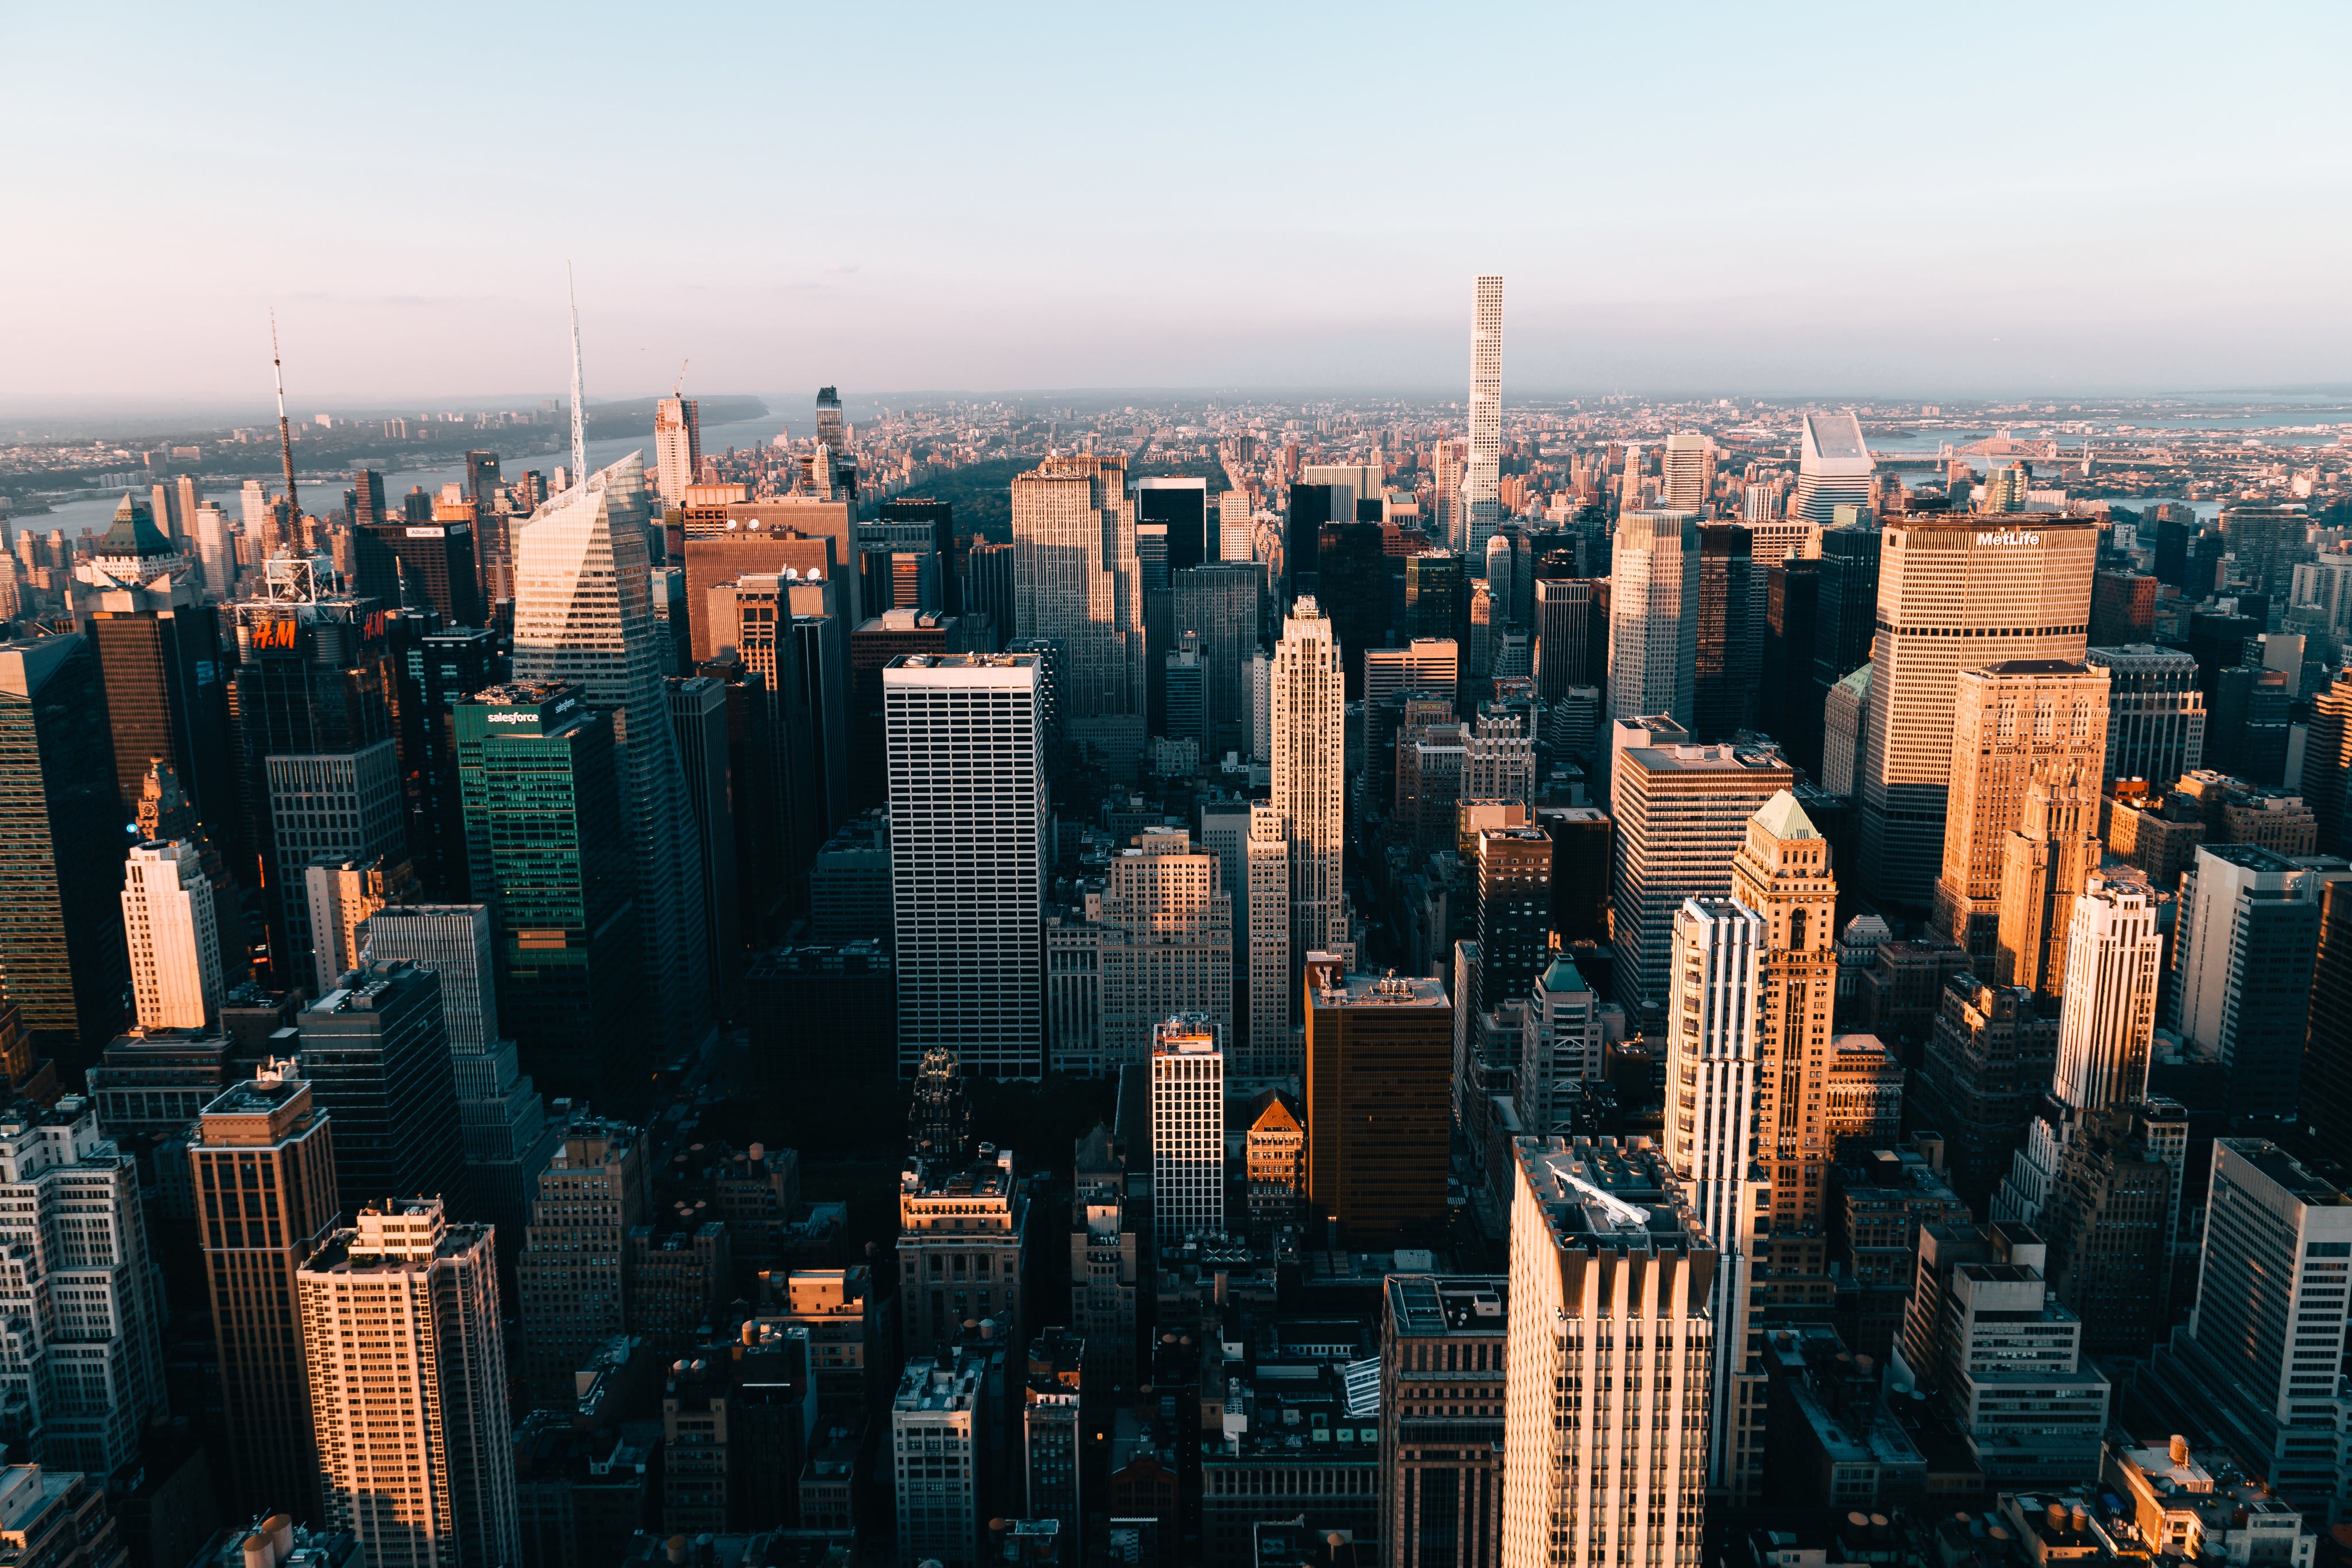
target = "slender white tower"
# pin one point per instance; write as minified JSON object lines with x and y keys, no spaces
{"x":1310,"y":783}
{"x":1481,"y":481}
{"x":579,"y":409}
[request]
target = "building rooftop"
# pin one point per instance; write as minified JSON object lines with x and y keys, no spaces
{"x":1722,"y":758}
{"x":1605,"y":1193}
{"x":2033,"y":667}
{"x":929,"y":1387}
{"x":1387,"y":991}
{"x":1432,"y":1305}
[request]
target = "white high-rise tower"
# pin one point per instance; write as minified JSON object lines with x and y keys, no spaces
{"x":1482,"y":480}
{"x":1710,"y":1132}
{"x":1654,"y":616}
{"x":416,"y":1450}
{"x":584,"y":612}
{"x":1311,"y":778}
{"x":168,"y":920}
{"x":1188,"y":1130}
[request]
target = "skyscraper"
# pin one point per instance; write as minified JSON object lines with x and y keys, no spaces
{"x":1727,"y":651}
{"x":678,"y":448}
{"x":1682,"y":811}
{"x":508,"y":1136}
{"x":969,"y":809}
{"x":1311,"y":785}
{"x":415,"y":1451}
{"x":1077,"y":581}
{"x":342,"y":808}
{"x":1712,"y":1127}
{"x":1188,"y":1130}
{"x":2262,"y":1352}
{"x":1167,"y":943}
{"x":1834,"y":468}
{"x":1482,"y":476}
{"x":2044,"y":865}
{"x":170,"y":924}
{"x":2156,"y":715}
{"x":1690,"y":474}
{"x":376,"y":1056}
{"x":1654,"y":603}
{"x":158,"y":653}
{"x":342,"y":893}
{"x":2010,"y":721}
{"x":1267,"y":1051}
{"x":2243,"y":946}
{"x":698,"y":723}
{"x":1781,"y":873}
{"x":573,"y":1264}
{"x":1442,"y":1342}
{"x":542,"y":800}
{"x":438,"y":671}
{"x":583,"y":613}
{"x":1954,"y":593}
{"x":1220,"y":604}
{"x":1512,"y":914}
{"x":1611,"y":1276}
{"x":87,"y":1370}
{"x":1378,"y":1067}
{"x":263,"y":1168}
{"x":61,"y":949}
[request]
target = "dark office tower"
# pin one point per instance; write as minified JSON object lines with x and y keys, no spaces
{"x":375,"y":1054}
{"x":571,"y":1273}
{"x":2173,"y":535}
{"x":2323,"y":1102}
{"x":427,"y":560}
{"x":1354,"y":594}
{"x":1183,"y":504}
{"x":62,"y":957}
{"x":541,"y":786}
{"x":871,"y":646}
{"x":1580,"y":872}
{"x":2203,"y":576}
{"x":366,"y":498}
{"x":2266,"y":537}
{"x":988,"y":586}
{"x":262,"y":1167}
{"x":1563,"y":608}
{"x":1986,"y":1067}
{"x":159,"y":655}
{"x":940,"y":518}
{"x":1379,"y":1078}
{"x":1437,"y":597}
{"x":2123,"y":608}
{"x":1787,"y":703}
{"x":1730,"y":630}
{"x":2244,"y":953}
{"x":1219,"y":602}
{"x":1441,"y":1404}
{"x":1596,"y":640}
{"x":697,"y":720}
{"x":1846,"y":613}
{"x":1302,"y":538}
{"x":482,"y":481}
{"x":438,"y":671}
{"x":1514,"y":928}
{"x":830,"y":432}
{"x":760,"y":798}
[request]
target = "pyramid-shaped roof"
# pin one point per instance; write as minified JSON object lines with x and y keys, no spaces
{"x":134,"y":533}
{"x":1784,"y":819}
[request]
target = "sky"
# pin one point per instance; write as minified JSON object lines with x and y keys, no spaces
{"x":1759,"y":200}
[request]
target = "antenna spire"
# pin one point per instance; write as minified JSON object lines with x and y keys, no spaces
{"x":285,"y":434}
{"x":579,"y":414}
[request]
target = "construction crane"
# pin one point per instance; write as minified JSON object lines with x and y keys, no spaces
{"x":677,"y":387}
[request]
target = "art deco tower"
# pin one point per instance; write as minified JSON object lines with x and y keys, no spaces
{"x":1311,"y":785}
{"x":584,"y":612}
{"x":1782,"y":873}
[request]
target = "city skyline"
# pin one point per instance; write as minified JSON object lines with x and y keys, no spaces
{"x":1737,"y":268}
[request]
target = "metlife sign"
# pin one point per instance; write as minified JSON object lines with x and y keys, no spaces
{"x":2009,"y":538}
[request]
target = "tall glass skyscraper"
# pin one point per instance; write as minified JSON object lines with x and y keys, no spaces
{"x":1482,"y":479}
{"x":583,"y":613}
{"x":542,"y":788}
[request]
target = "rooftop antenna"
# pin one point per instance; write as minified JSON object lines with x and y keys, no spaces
{"x":578,"y":416}
{"x":285,"y":434}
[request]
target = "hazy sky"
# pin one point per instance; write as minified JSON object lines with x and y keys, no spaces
{"x":1739,"y":199}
